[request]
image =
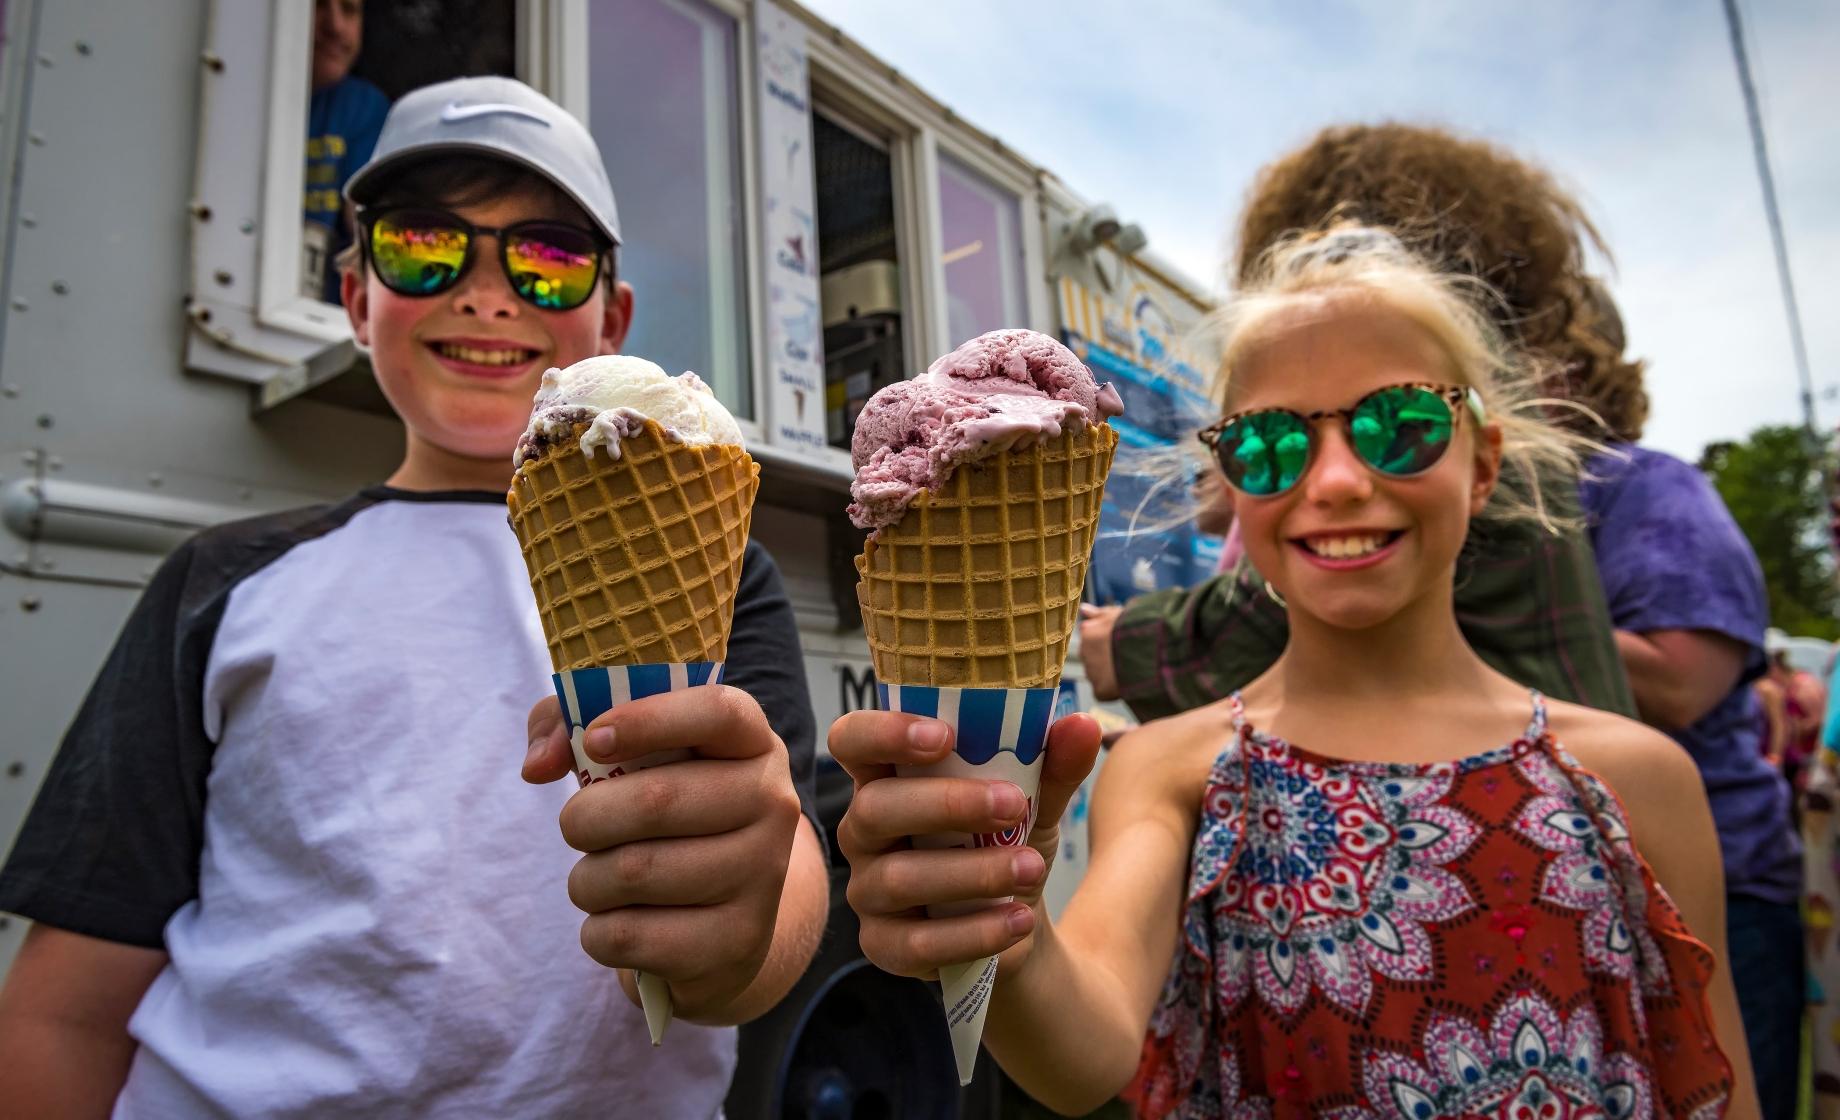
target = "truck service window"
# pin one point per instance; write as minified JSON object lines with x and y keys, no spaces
{"x":859,"y":270}
{"x":365,"y":56}
{"x":980,"y":235}
{"x":664,"y":105}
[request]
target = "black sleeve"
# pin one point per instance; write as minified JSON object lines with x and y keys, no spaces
{"x":111,"y":846}
{"x":764,"y":660}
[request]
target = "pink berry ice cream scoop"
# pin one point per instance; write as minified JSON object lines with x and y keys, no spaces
{"x":1001,"y":390}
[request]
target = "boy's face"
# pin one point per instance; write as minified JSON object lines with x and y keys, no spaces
{"x":426,"y":350}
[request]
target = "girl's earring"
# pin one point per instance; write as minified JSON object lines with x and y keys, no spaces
{"x":1275,"y":597}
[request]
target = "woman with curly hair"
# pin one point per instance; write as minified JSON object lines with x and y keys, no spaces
{"x":1478,"y":210}
{"x":1684,"y":590}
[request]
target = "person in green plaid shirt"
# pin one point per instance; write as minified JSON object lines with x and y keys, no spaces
{"x":1529,"y":601}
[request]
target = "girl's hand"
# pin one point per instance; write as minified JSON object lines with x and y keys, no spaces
{"x":891,"y":883}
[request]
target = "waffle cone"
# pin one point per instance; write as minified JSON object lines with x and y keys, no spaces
{"x":635,"y":560}
{"x":978,"y":585}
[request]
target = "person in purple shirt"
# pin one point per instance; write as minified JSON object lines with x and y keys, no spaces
{"x":1686,"y":596}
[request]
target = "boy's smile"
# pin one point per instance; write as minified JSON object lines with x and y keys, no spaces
{"x":461,"y":366}
{"x":491,"y":358}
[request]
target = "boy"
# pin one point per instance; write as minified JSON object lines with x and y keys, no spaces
{"x":281,"y":832}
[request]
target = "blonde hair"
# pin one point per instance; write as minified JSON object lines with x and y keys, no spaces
{"x":1303,"y":270}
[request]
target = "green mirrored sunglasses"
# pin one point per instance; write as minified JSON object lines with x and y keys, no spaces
{"x":1400,"y":431}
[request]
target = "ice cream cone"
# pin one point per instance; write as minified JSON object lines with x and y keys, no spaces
{"x":980,"y":482}
{"x":636,"y":559}
{"x":977,"y":587}
{"x":978,"y":584}
{"x":999,"y":736}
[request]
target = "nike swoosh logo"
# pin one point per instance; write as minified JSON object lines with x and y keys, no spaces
{"x":454,"y":111}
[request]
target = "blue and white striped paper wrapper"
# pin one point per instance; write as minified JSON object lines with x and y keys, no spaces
{"x":587,"y":693}
{"x":1000,"y":734}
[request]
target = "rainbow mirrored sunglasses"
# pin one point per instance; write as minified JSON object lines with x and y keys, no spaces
{"x":421,"y":251}
{"x":1399,"y":431}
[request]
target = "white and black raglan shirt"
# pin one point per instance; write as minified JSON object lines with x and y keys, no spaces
{"x":298,"y":775}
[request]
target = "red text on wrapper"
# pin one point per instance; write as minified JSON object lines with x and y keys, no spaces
{"x":588,"y":777}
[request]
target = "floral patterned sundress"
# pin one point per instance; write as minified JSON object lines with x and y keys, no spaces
{"x":1476,"y":938}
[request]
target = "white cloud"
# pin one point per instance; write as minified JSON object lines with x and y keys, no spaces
{"x":1166,"y":109}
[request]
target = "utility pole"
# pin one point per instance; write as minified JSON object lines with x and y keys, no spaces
{"x":1772,"y":215}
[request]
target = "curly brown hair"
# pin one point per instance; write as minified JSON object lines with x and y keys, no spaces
{"x":1469,"y":207}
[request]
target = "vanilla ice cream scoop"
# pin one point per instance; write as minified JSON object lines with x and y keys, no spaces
{"x":615,"y":394}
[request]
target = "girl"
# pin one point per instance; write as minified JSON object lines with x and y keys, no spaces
{"x":1374,"y":883}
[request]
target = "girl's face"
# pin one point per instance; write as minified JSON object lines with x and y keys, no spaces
{"x":1347,"y":544}
{"x":461,"y":367}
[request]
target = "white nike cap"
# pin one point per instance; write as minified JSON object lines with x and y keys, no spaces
{"x":499,"y":117}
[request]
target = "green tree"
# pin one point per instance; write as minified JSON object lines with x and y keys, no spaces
{"x":1775,"y":484}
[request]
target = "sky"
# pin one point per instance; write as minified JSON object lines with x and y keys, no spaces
{"x":1166,"y":108}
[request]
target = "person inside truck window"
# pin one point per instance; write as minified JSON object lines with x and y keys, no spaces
{"x":284,"y":863}
{"x":1383,"y":878}
{"x":344,"y":115}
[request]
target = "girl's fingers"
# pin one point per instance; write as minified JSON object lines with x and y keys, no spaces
{"x":914,"y":946}
{"x":870,"y":744}
{"x":884,"y":813}
{"x":902,"y":881}
{"x":1073,"y":747}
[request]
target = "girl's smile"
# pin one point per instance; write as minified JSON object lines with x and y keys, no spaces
{"x":1347,"y":550}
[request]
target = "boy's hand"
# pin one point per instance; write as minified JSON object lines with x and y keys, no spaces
{"x":891,"y":883}
{"x":685,"y":863}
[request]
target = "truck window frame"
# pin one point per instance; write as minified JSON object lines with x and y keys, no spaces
{"x":249,"y":322}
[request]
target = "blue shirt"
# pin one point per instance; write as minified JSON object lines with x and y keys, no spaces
{"x":1671,"y":558}
{"x":343,"y":122}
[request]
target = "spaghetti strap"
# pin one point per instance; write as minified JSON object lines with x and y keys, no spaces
{"x":1237,"y":707}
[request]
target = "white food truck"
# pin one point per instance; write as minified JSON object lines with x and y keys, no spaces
{"x":803,"y":227}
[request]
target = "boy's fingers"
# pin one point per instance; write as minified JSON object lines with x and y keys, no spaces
{"x":544,"y":715}
{"x":1073,"y":747}
{"x":693,"y":871}
{"x":548,"y":756}
{"x":870,"y":744}
{"x":884,"y":813}
{"x":695,"y":797}
{"x":653,"y":938}
{"x":715,"y":721}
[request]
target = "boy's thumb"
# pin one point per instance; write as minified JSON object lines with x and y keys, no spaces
{"x":1073,"y":747}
